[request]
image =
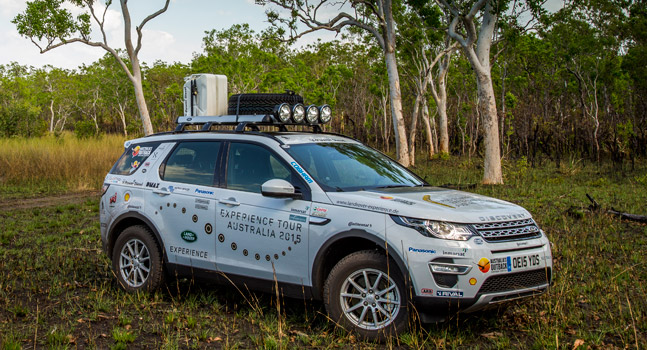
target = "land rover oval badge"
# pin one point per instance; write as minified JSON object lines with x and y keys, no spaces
{"x":189,"y":236}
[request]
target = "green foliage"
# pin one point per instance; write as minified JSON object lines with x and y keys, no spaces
{"x":84,"y":129}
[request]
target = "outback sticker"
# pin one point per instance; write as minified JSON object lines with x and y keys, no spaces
{"x":418,"y":250}
{"x":500,"y":264}
{"x":427,"y":198}
{"x":484,"y":265}
{"x":142,"y":151}
{"x":302,"y":172}
{"x":189,"y":236}
{"x":449,"y":294}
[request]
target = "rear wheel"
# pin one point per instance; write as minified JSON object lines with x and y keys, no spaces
{"x":137,"y":261}
{"x":363,"y":295}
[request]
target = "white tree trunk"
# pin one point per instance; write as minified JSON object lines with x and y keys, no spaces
{"x":441,"y":106}
{"x":425,"y":119}
{"x":401,"y":147}
{"x":487,"y":109}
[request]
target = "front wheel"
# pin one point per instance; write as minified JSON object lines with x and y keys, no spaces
{"x":363,"y":295}
{"x":137,"y":261}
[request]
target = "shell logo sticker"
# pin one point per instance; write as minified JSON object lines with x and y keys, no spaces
{"x":472,"y":281}
{"x":127,"y":197}
{"x":484,"y":265}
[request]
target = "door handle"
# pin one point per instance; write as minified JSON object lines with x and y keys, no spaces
{"x":229,"y":201}
{"x":161,"y":192}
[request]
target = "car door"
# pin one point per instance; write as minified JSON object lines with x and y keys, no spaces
{"x":183,"y":201}
{"x":260,"y":236}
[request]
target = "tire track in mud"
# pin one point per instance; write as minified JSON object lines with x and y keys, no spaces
{"x":39,"y":202}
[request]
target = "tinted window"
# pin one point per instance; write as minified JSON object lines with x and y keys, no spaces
{"x":192,"y":163}
{"x":133,"y":158}
{"x":351,"y":167}
{"x":249,"y":166}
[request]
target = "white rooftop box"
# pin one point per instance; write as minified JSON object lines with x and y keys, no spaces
{"x":205,"y":94}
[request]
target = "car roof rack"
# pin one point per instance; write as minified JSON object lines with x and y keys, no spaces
{"x":241,"y":122}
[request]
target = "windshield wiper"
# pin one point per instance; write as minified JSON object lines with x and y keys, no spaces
{"x":393,"y":186}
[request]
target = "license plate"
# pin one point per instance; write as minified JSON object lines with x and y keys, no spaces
{"x":513,"y":263}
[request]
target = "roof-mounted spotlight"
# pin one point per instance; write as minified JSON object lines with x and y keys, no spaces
{"x":325,"y":114}
{"x":298,"y":113}
{"x":312,"y":114}
{"x":283,"y":112}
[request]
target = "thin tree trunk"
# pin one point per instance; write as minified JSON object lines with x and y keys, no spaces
{"x":430,"y":139}
{"x":401,"y":147}
{"x":487,"y":109}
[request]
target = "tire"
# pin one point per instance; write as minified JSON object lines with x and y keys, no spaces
{"x":137,"y":261}
{"x":372,"y":314}
{"x":260,"y":103}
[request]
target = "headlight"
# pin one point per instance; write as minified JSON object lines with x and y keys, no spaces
{"x":438,"y":229}
{"x":312,"y":114}
{"x":282,"y":111}
{"x":298,"y":113}
{"x":325,"y":113}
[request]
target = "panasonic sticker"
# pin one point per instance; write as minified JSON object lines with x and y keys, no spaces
{"x":302,"y":172}
{"x":417,"y":250}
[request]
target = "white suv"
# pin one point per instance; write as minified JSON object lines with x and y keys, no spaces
{"x":315,"y":215}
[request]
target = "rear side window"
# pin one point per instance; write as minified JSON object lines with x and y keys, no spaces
{"x":133,"y":158}
{"x":192,"y":163}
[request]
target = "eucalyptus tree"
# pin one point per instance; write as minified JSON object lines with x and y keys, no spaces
{"x":49,"y":24}
{"x":373,"y":17}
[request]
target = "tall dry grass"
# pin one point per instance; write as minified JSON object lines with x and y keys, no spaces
{"x":64,"y":161}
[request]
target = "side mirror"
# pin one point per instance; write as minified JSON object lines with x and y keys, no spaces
{"x":278,"y":188}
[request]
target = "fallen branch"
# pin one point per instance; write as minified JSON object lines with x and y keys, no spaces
{"x":626,"y":216}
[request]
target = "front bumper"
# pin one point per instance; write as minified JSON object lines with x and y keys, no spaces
{"x":500,"y":272}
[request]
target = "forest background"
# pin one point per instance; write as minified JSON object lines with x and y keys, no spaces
{"x":568,"y":85}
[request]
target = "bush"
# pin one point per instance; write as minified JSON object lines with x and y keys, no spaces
{"x":85,"y":129}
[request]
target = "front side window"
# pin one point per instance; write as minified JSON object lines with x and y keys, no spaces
{"x":249,"y":166}
{"x":192,"y":163}
{"x":133,"y":158}
{"x":351,"y":167}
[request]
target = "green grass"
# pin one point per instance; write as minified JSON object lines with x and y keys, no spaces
{"x":57,"y":289}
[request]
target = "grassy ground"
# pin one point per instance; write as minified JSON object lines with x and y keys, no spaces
{"x":51,"y":165}
{"x":57,"y":290}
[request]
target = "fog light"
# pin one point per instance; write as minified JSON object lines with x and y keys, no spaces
{"x":325,"y":113}
{"x":312,"y":114}
{"x":449,"y":268}
{"x":283,"y":112}
{"x":298,"y":113}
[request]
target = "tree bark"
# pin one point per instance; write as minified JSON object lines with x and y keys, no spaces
{"x":487,"y":109}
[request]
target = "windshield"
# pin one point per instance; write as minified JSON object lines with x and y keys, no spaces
{"x":351,"y":167}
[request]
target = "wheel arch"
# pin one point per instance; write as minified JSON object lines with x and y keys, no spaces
{"x":126,"y":220}
{"x":340,"y":246}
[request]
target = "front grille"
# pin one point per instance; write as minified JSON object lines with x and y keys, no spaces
{"x":508,"y":230}
{"x":515,"y":281}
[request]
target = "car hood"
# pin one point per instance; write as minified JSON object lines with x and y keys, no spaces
{"x":433,"y":203}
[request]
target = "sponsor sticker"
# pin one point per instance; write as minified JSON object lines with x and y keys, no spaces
{"x":449,"y":294}
{"x":153,"y":184}
{"x":199,"y":191}
{"x":427,"y":198}
{"x":427,"y":291}
{"x":397,"y":200}
{"x":189,"y":236}
{"x":319,"y":212}
{"x":134,"y":165}
{"x":113,"y":199}
{"x":472,"y":281}
{"x":302,"y":172}
{"x":298,"y":218}
{"x":359,"y":224}
{"x":418,"y":250}
{"x":126,"y":196}
{"x":484,"y":265}
{"x":478,"y":240}
{"x":500,"y":264}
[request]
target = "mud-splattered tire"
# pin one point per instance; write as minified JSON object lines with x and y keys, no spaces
{"x":137,"y":260}
{"x":248,"y":104}
{"x":366,"y":295}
